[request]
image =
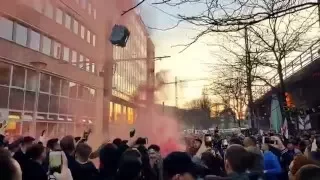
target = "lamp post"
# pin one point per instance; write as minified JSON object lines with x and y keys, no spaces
{"x":38,"y":65}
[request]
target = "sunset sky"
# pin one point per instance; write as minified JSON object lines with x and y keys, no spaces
{"x":190,"y":64}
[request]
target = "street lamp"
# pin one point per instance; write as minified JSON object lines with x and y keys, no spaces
{"x":38,"y":65}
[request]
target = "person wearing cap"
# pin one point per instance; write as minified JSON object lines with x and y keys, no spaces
{"x":179,"y":166}
{"x":20,"y":155}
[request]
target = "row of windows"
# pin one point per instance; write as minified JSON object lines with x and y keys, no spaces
{"x":119,"y":112}
{"x":86,"y":5}
{"x":64,"y":19}
{"x":32,"y":39}
{"x":57,"y":96}
{"x":26,"y":79}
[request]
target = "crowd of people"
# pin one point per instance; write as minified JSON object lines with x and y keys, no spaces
{"x":211,"y":157}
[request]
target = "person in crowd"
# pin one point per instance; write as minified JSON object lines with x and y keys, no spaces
{"x":53,"y":144}
{"x":194,"y":147}
{"x":117,"y":142}
{"x":235,"y":140}
{"x":308,"y":172}
{"x":87,"y":170}
{"x":67,"y":145}
{"x":297,"y":163}
{"x":147,"y":171}
{"x":15,"y":146}
{"x":236,"y":157}
{"x":213,"y":163}
{"x":272,"y":167}
{"x":20,"y":155}
{"x":65,"y":171}
{"x":155,"y":160}
{"x":9,"y":167}
{"x":109,"y":158}
{"x":315,"y":154}
{"x":34,"y":168}
{"x":179,"y":166}
{"x":250,"y":143}
{"x":130,"y":168}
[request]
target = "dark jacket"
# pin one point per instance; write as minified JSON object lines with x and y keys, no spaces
{"x":87,"y":171}
{"x":23,"y":160}
{"x":34,"y":170}
{"x":73,"y":165}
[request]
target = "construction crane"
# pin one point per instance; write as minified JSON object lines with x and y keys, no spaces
{"x":176,"y":82}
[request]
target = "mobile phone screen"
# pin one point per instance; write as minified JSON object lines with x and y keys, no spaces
{"x":55,"y":161}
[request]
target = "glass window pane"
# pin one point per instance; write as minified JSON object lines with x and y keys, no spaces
{"x":43,"y":102}
{"x":48,"y":10}
{"x":93,"y":67}
{"x":29,"y":102}
{"x":63,"y":106}
{"x":21,"y":35}
{"x":46,"y":45}
{"x":72,"y":90}
{"x":64,"y":87}
{"x":67,"y":22}
{"x":94,"y":13}
{"x":89,"y":8}
{"x":66,"y":52}
{"x":59,"y":16}
{"x":6,"y":27}
{"x":16,"y":99}
{"x":44,"y":83}
{"x":94,"y":40}
{"x":55,"y":85}
{"x":31,"y":80}
{"x":81,"y":61}
{"x":74,"y":58}
{"x":18,"y":76}
{"x":56,"y":50}
{"x":88,"y":36}
{"x":88,"y":65}
{"x":54,"y":104}
{"x":35,"y":41}
{"x":75,"y":26}
{"x":82,"y":32}
{"x":4,"y":94}
{"x":5,"y":74}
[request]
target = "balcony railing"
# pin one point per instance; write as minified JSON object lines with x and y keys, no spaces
{"x":304,"y":59}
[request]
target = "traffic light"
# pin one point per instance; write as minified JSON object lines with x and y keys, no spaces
{"x":119,"y":35}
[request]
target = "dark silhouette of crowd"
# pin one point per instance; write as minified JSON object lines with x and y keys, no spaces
{"x":256,"y":157}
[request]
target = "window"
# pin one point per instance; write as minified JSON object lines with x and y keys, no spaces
{"x":49,"y":10}
{"x":94,"y":40}
{"x":75,"y":26}
{"x":44,"y":82}
{"x":4,"y":93}
{"x":73,"y":90}
{"x":82,"y":32}
{"x":29,"y":100}
{"x":55,"y":85}
{"x":64,"y":87}
{"x":5,"y":71}
{"x":88,"y":65}
{"x":37,"y":5}
{"x":89,"y":8}
{"x":21,"y":35}
{"x":81,"y":61}
{"x":88,"y":36}
{"x":44,"y":101}
{"x":93,"y":67}
{"x":56,"y":50}
{"x":46,"y":45}
{"x":6,"y":27}
{"x":94,"y":13}
{"x":18,"y":76}
{"x":74,"y":58}
{"x":67,"y":22}
{"x":83,"y":4}
{"x":59,"y":15}
{"x":16,"y":99}
{"x":66,"y":53}
{"x":32,"y":79}
{"x":35,"y":40}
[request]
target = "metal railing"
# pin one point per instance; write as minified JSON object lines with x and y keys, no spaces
{"x":304,"y":59}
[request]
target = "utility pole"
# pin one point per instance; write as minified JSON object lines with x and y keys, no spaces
{"x":176,"y":90}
